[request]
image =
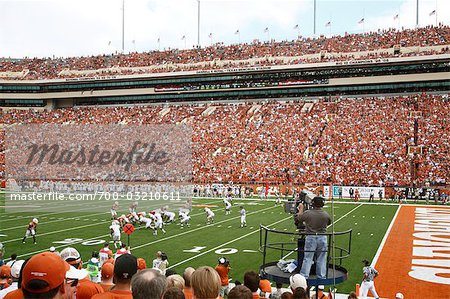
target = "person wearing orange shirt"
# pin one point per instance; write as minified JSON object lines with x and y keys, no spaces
{"x":124,"y":269}
{"x":187,"y":282}
{"x":107,"y":276}
{"x":223,"y":268}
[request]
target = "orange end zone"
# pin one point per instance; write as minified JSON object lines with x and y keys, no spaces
{"x":415,"y":259}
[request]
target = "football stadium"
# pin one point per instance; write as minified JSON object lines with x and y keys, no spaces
{"x":255,"y":167}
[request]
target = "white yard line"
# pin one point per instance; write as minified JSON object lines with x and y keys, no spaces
{"x":380,"y":248}
{"x":226,"y":243}
{"x":47,"y":222}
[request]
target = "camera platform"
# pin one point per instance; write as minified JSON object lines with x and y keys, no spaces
{"x":336,"y":274}
{"x":289,"y":247}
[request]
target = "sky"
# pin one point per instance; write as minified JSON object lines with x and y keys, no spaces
{"x":72,"y":28}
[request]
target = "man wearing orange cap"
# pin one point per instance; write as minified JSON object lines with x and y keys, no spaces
{"x":141,"y":264}
{"x":107,"y":276}
{"x":45,"y":275}
{"x":5,"y":277}
{"x":266,"y":289}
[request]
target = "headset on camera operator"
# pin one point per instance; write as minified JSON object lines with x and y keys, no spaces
{"x":314,"y":221}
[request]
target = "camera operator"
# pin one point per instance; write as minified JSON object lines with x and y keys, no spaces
{"x":223,"y":268}
{"x":315,"y":221}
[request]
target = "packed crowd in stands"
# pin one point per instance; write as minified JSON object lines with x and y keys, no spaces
{"x":351,"y":141}
{"x":220,"y":56}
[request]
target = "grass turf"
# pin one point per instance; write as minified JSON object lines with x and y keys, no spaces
{"x":78,"y":221}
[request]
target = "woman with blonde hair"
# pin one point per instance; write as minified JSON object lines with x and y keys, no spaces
{"x":205,"y":282}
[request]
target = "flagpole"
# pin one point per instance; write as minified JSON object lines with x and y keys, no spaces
{"x":123,"y":26}
{"x":314,"y":25}
{"x":198,"y":24}
{"x":417,"y":13}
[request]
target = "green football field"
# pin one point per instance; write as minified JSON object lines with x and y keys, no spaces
{"x":85,"y":226}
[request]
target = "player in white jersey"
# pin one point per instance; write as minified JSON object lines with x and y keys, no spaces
{"x":169,"y":215}
{"x":209,"y":216}
{"x":115,"y":233}
{"x":243,"y":213}
{"x":146,"y":221}
{"x":227,"y":207}
{"x":278,"y":195}
{"x":158,"y":223}
{"x":114,"y":209}
{"x":184,"y":219}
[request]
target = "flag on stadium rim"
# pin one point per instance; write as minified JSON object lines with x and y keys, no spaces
{"x":296,"y":26}
{"x":432,"y":13}
{"x":210,"y":35}
{"x":159,"y":39}
{"x":396,"y":17}
{"x":361,"y":21}
{"x":237,"y":32}
{"x":183,"y":37}
{"x":328,"y":24}
{"x":266,"y":30}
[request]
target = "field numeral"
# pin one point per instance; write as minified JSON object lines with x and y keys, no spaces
{"x":196,"y":249}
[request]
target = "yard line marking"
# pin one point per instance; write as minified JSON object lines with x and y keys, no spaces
{"x":59,"y":231}
{"x":226,"y":243}
{"x":380,"y":248}
{"x":59,"y":220}
{"x":251,"y":251}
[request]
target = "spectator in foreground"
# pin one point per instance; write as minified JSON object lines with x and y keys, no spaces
{"x":107,"y":274}
{"x":287,"y":295}
{"x":300,"y":293}
{"x":12,"y":260}
{"x":277,"y":294}
{"x":251,"y":281}
{"x":352,"y":295}
{"x":124,"y":269}
{"x":5,"y":277}
{"x":86,"y":288}
{"x":266,"y":289}
{"x":223,"y":268}
{"x":45,"y":275}
{"x":240,"y":292}
{"x":297,"y":281}
{"x":175,"y":281}
{"x":15,"y":273}
{"x":148,"y":284}
{"x":187,"y":275}
{"x":205,"y":283}
{"x":399,"y":296}
{"x":173,"y":293}
{"x":141,"y":264}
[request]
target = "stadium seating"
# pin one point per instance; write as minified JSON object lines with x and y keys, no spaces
{"x":421,"y":41}
{"x":352,"y":141}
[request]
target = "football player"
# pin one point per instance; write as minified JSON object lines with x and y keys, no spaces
{"x":170,"y":216}
{"x":184,"y":219}
{"x":243,"y":213}
{"x":227,"y":207}
{"x":209,"y":216}
{"x":114,"y":209}
{"x":158,"y":223}
{"x":31,"y":230}
{"x":115,"y":233}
